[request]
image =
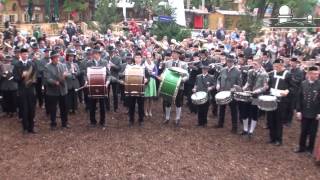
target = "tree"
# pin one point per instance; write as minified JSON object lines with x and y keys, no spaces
{"x":106,"y":14}
{"x":72,"y":5}
{"x":299,"y":8}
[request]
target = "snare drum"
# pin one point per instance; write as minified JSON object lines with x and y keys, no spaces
{"x":199,"y":98}
{"x":170,"y":84}
{"x":267,"y":103}
{"x":134,"y":81}
{"x":97,"y":82}
{"x":223,"y":97}
{"x":242,"y":96}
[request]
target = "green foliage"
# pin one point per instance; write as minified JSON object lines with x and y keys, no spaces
{"x":250,"y":25}
{"x":106,"y":14}
{"x":299,"y":7}
{"x":171,"y":30}
{"x":164,"y":11}
{"x":78,"y":5}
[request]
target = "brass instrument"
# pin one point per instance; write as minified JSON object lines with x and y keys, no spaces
{"x":30,"y":76}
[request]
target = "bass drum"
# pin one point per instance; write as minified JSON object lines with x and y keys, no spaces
{"x":170,"y":84}
{"x":134,"y":81}
{"x":97,"y":82}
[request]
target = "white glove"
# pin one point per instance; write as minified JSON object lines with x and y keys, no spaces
{"x":318,"y":117}
{"x":218,"y":87}
{"x":210,"y":88}
{"x":299,"y":115}
{"x":194,"y":90}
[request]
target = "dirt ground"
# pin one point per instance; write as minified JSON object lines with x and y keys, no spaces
{"x":154,"y":151}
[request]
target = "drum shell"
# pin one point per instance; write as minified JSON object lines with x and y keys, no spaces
{"x":134,"y":81}
{"x":242,"y":97}
{"x":97,"y":82}
{"x":223,"y":101}
{"x":170,"y":83}
{"x":265,"y":105}
{"x":199,"y":100}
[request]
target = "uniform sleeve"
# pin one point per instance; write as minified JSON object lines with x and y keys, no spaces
{"x":299,"y":99}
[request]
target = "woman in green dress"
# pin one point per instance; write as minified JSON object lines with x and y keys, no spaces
{"x":151,"y":89}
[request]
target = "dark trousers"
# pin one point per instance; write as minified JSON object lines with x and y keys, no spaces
{"x":27,"y":107}
{"x":188,"y":93}
{"x":247,"y":110}
{"x":114,"y":87}
{"x":309,"y":127}
{"x":275,"y":120}
{"x":214,"y":108}
{"x":93,"y":107}
{"x":178,"y":101}
{"x":53,"y":102}
{"x":72,"y":100}
{"x":203,"y":113}
{"x":9,"y":101}
{"x":39,"y":92}
{"x":132,"y":101}
{"x":234,"y":114}
{"x":291,"y":107}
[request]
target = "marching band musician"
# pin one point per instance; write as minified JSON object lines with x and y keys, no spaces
{"x":72,"y":81}
{"x":114,"y":62}
{"x":24,"y":72}
{"x":280,"y":86}
{"x":193,"y":71}
{"x":56,"y":89}
{"x":297,"y":76}
{"x":257,"y":84}
{"x":176,"y":62}
{"x":229,"y":77}
{"x":133,"y":100}
{"x":8,"y":87}
{"x":43,"y":62}
{"x":97,"y":61}
{"x":308,"y":112}
{"x":204,"y":82}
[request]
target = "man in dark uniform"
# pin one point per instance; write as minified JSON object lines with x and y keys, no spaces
{"x":55,"y":78}
{"x":8,"y":87}
{"x":193,"y":70}
{"x":280,"y":86}
{"x":24,"y":72}
{"x":72,"y":80}
{"x":176,"y":62}
{"x":43,"y":62}
{"x":266,"y":63}
{"x":133,"y":100}
{"x":297,"y":77}
{"x":204,"y":82}
{"x":308,"y":111}
{"x":97,"y":61}
{"x":229,"y":77}
{"x":114,"y":62}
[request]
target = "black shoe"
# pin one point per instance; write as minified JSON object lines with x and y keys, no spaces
{"x":277,"y":143}
{"x":271,"y":142}
{"x":250,"y":135}
{"x":32,"y":132}
{"x":141,"y":124}
{"x":218,"y":126}
{"x":53,"y":128}
{"x":130,"y":124}
{"x":166,"y":121}
{"x":299,"y":150}
{"x":67,"y":126}
{"x":103,"y":125}
{"x":91,"y":125}
{"x":244,"y":133}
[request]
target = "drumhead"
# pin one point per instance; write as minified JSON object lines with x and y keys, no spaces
{"x":223,"y":94}
{"x":267,"y":98}
{"x":96,"y":70}
{"x":199,"y":95}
